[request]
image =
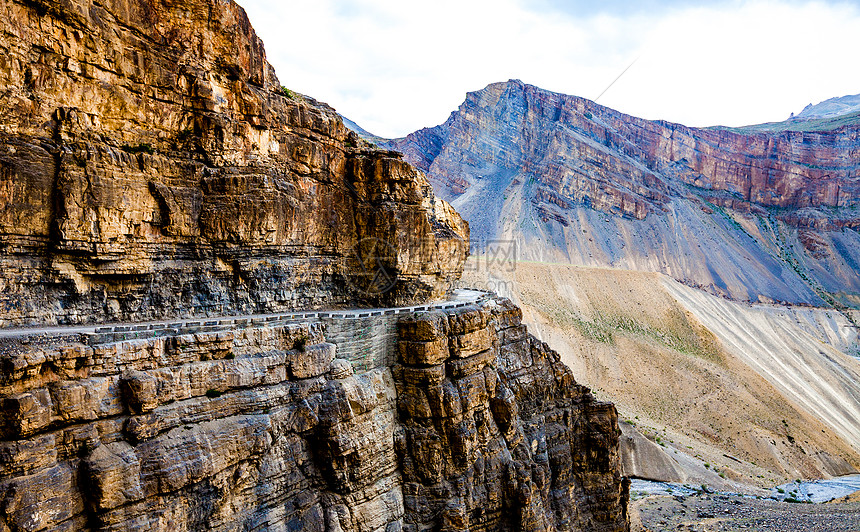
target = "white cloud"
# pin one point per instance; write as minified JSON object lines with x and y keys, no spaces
{"x":395,"y":66}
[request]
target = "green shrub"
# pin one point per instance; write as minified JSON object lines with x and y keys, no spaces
{"x":140,"y":148}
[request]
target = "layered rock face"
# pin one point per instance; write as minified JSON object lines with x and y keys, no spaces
{"x":496,"y":434}
{"x":768,"y":216}
{"x":477,"y":427}
{"x":151,"y":165}
{"x":626,"y":165}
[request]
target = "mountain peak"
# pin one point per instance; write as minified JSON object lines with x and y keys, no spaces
{"x":543,"y":168}
{"x":510,"y":83}
{"x":831,"y":108}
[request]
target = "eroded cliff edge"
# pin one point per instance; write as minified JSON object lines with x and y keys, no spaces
{"x":478,"y":426}
{"x":152,"y":165}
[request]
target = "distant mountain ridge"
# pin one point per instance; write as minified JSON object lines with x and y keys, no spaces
{"x":828,"y":115}
{"x":361,"y":132}
{"x":758,"y":217}
{"x":832,"y":108}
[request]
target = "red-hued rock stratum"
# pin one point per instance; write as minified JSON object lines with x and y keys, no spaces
{"x":764,"y":216}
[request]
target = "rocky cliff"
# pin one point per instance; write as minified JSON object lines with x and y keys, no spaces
{"x":761,"y":217}
{"x":477,"y":426}
{"x":152,"y":165}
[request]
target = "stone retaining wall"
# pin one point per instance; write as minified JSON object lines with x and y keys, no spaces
{"x":369,"y":342}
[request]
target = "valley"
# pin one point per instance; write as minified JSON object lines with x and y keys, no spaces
{"x":740,"y":397}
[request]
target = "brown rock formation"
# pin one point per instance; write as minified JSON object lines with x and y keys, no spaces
{"x":151,"y":165}
{"x":642,"y":458}
{"x":496,"y":434}
{"x":480,"y":428}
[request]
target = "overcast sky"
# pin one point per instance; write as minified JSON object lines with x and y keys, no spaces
{"x":394,"y":66}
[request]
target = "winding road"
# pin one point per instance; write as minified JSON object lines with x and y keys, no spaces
{"x":459,"y":298}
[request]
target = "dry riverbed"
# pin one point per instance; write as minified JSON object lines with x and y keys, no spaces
{"x":694,"y":510}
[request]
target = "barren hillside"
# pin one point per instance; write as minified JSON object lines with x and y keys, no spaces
{"x":759,"y":392}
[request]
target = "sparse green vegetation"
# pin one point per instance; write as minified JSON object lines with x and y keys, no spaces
{"x":786,"y":254}
{"x":140,"y":148}
{"x":818,"y":124}
{"x":604,"y":328}
{"x":730,"y":219}
{"x":288,"y":93}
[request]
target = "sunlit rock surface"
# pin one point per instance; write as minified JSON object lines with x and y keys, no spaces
{"x":151,"y":165}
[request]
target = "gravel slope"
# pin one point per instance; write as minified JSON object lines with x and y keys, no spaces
{"x":714,"y":512}
{"x":682,"y":366}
